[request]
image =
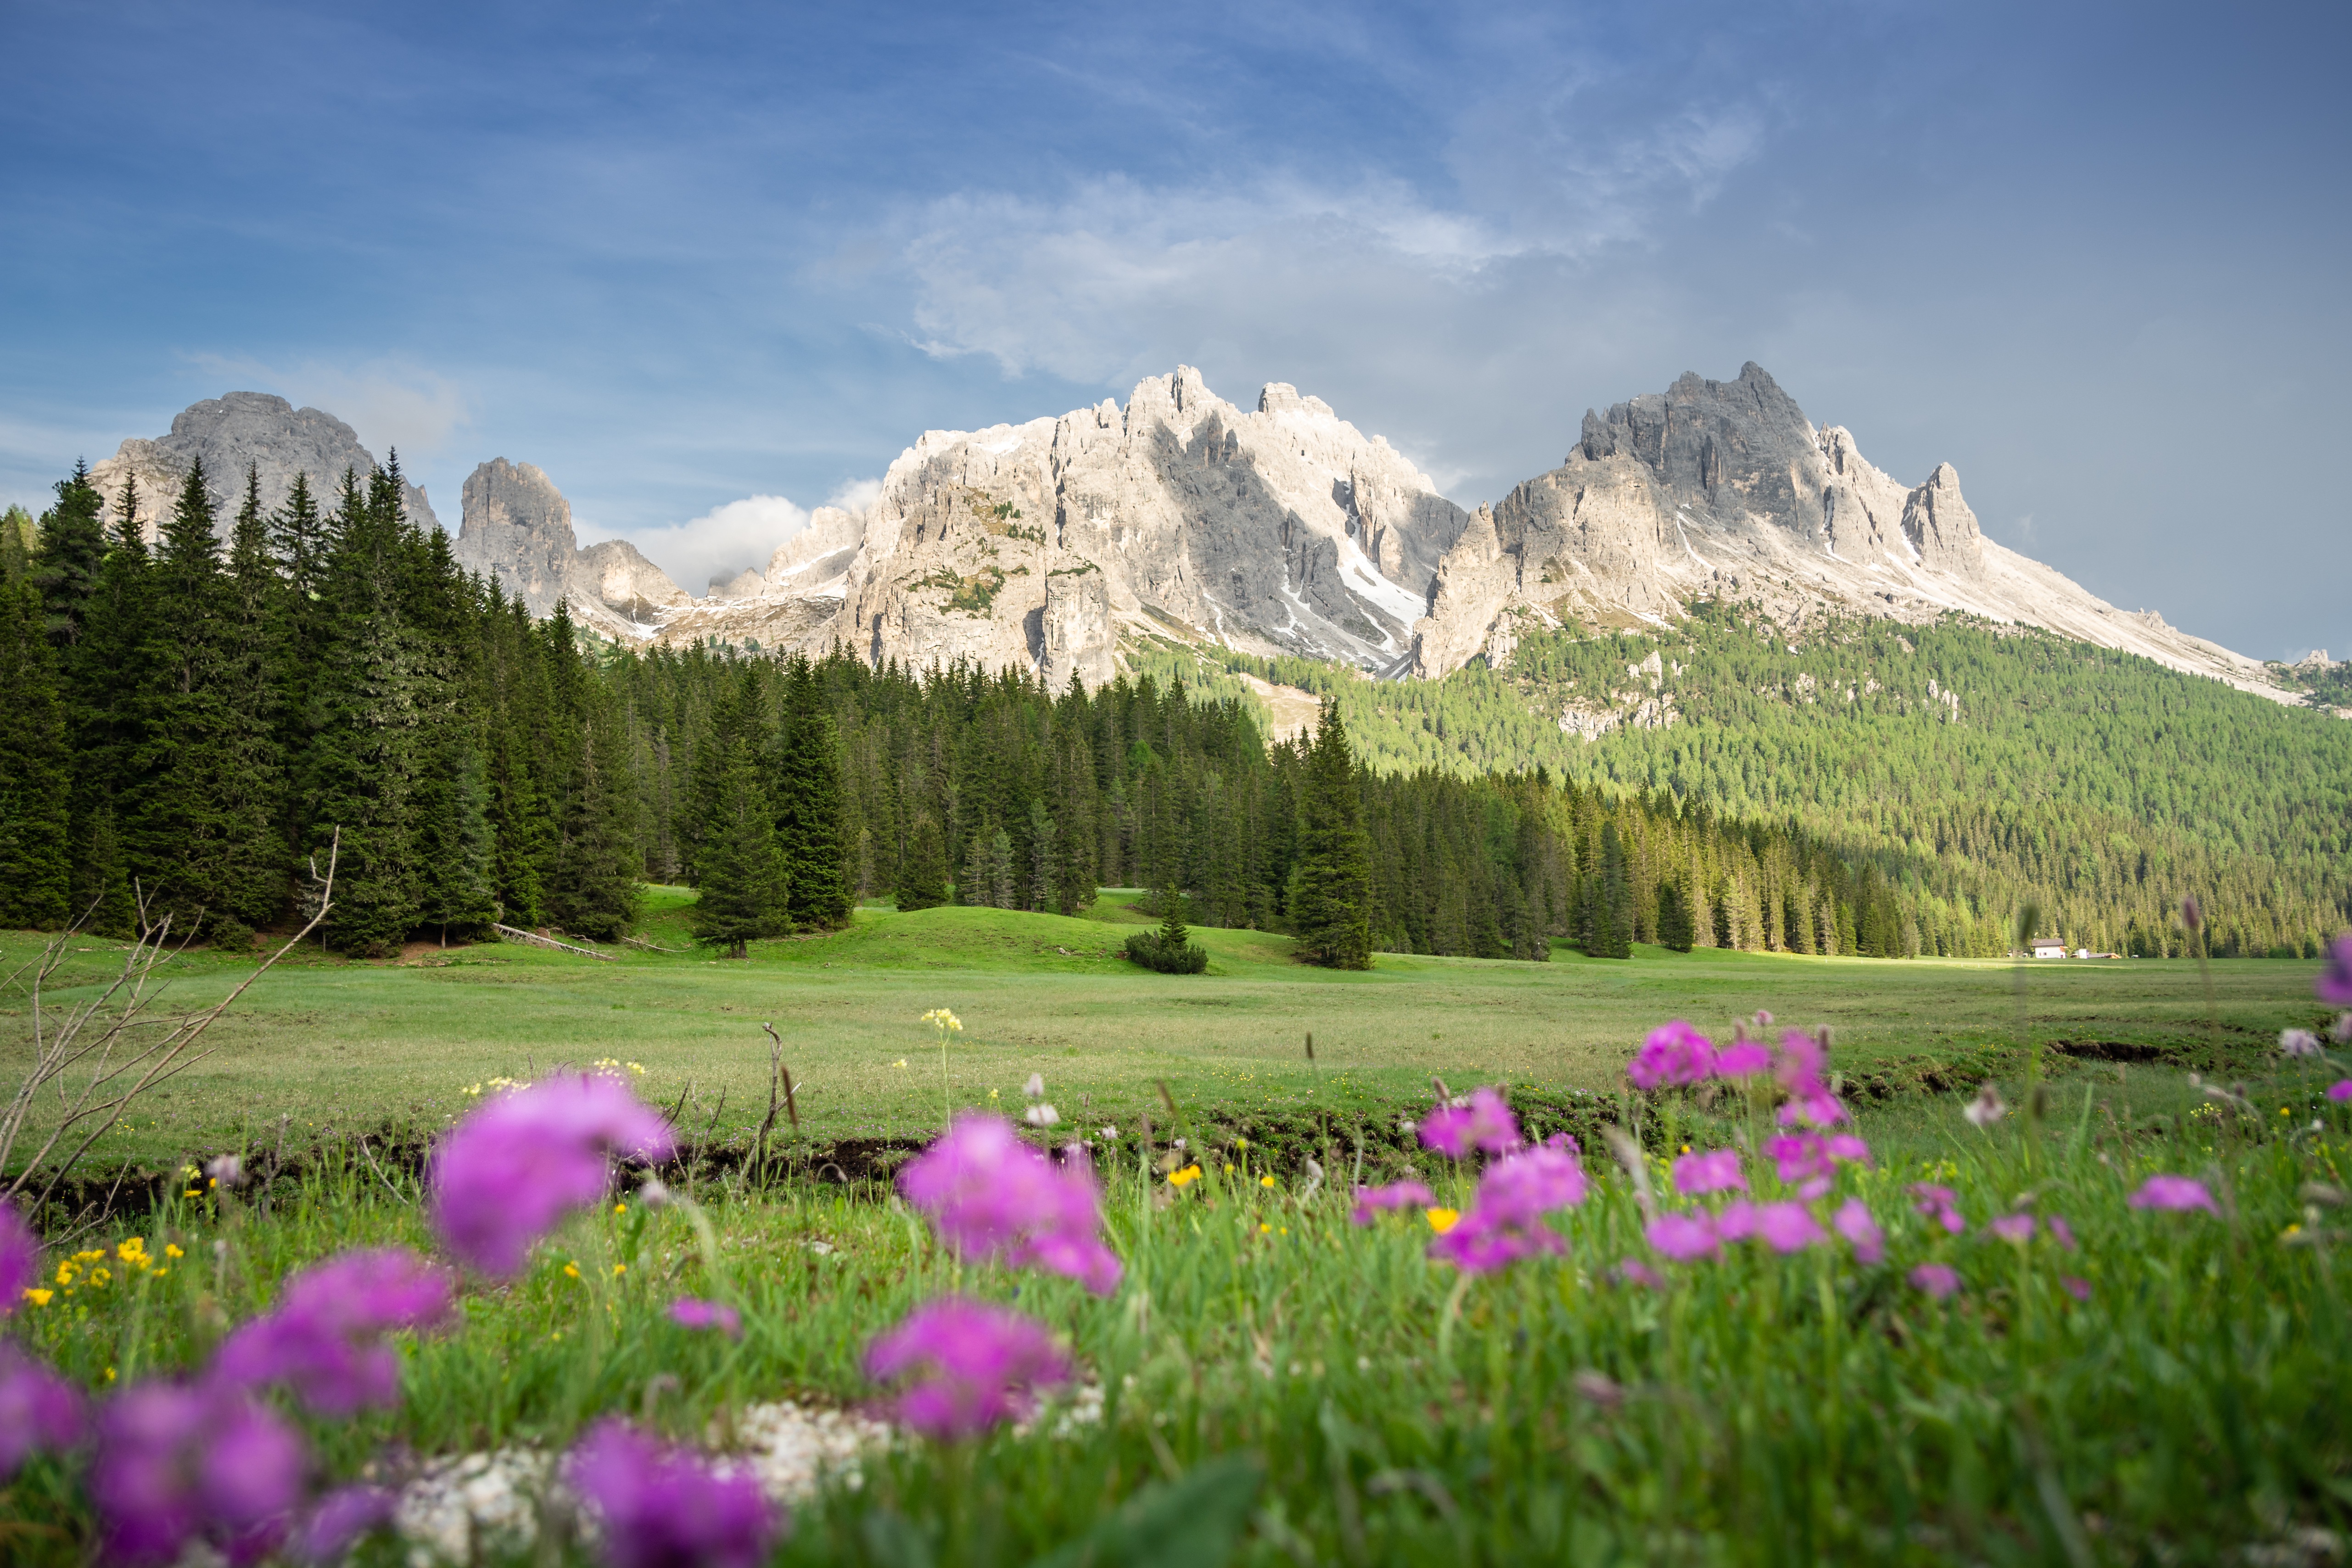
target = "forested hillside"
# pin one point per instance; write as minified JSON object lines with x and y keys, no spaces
{"x":1969,"y":762}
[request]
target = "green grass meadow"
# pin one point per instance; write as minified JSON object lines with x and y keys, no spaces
{"x":1278,"y":1385}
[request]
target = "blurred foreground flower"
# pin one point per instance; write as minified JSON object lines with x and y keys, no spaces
{"x":39,"y":1410}
{"x":2176,"y":1194}
{"x":2335,"y":984}
{"x":1506,"y":1221}
{"x":1937,"y":1279}
{"x":2298,"y":1043}
{"x":1714,"y":1172}
{"x":1853,"y":1221}
{"x":1986,"y":1108}
{"x":1484,"y":1123}
{"x":665,"y":1508}
{"x":323,"y":1339}
{"x":177,"y":1464}
{"x":966,"y":1366}
{"x":339,"y":1521}
{"x":1674,"y":1054}
{"x":511,"y":1170}
{"x":20,"y":1257}
{"x":1396,"y":1196}
{"x":992,"y":1196}
{"x":1940,"y":1204}
{"x":693,"y":1312}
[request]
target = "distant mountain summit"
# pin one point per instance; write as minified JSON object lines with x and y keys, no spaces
{"x":517,"y":529}
{"x":231,"y":432}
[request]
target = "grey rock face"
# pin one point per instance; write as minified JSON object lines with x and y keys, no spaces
{"x":231,"y":432}
{"x":517,"y":529}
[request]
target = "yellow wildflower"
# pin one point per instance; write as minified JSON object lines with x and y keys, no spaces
{"x":38,"y":1298}
{"x":1185,"y":1177}
{"x":620,"y":1208}
{"x":1266,"y":1181}
{"x":1264,"y":1230}
{"x":572,"y":1270}
{"x":171,"y":1249}
{"x":619,"y":1269}
{"x":110,"y":1375}
{"x":1443,"y":1220}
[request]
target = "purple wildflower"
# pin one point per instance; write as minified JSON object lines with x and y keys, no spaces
{"x":2075,"y":1285}
{"x":1799,"y":1069}
{"x":2013,"y":1227}
{"x":2341,"y":1031}
{"x":1717,"y":1170}
{"x":20,"y":1257}
{"x":510,"y":1171}
{"x":693,"y":1312}
{"x":2179,"y":1194}
{"x":1737,"y":1222}
{"x":39,"y":1410}
{"x":322,"y":1340}
{"x":992,"y":1196}
{"x":1371,"y":1201}
{"x":1674,"y":1054}
{"x":1483,"y":1242}
{"x":2298,"y":1043}
{"x":665,"y":1508}
{"x":1820,"y":1110}
{"x":1808,"y":1161}
{"x":1940,"y":1205}
{"x":2060,"y":1231}
{"x":1937,"y":1279}
{"x":175,"y":1463}
{"x":1852,"y":1222}
{"x":979,"y":1365}
{"x":2335,"y":985}
{"x":1633,"y":1271}
{"x":2340,"y":1090}
{"x":337,"y":1522}
{"x":1506,"y":1221}
{"x":1683,"y":1237}
{"x":1788,"y":1227}
{"x":1742,"y":1058}
{"x":1485,"y":1123}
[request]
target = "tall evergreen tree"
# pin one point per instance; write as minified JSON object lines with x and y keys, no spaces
{"x":1612,"y":907}
{"x":73,"y":552}
{"x":34,"y":763}
{"x":923,"y":874}
{"x":1330,"y":901}
{"x":811,"y":830}
{"x":744,"y":887}
{"x":594,"y":887}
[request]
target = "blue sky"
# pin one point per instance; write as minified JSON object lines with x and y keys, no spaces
{"x":683,"y":256}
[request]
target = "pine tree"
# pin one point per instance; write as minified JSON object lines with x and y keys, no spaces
{"x":107,"y":677}
{"x":454,"y":851}
{"x":1676,"y":928}
{"x":35,"y":765}
{"x":811,"y":827}
{"x":253,"y":875}
{"x":1330,"y":886}
{"x":1614,"y":902}
{"x":923,"y":874}
{"x":744,"y":887}
{"x":73,"y":552}
{"x":596,"y":887}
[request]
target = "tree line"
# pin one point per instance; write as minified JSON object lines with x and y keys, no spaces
{"x":187,"y":727}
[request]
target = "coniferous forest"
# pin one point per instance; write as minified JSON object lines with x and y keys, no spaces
{"x":187,"y":726}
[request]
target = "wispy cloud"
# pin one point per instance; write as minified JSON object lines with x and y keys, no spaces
{"x":393,"y":404}
{"x":716,"y":546}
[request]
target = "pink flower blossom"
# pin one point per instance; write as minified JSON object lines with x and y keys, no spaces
{"x":2179,"y":1194}
{"x":2013,"y":1227}
{"x":1374,"y":1201}
{"x":505,"y":1175}
{"x":1823,"y":1109}
{"x":665,"y":1508}
{"x":1483,"y":1242}
{"x":1633,"y":1271}
{"x":20,"y":1257}
{"x":179,"y":1463}
{"x":1717,"y":1170}
{"x":1806,"y":1158}
{"x":1940,"y":1205}
{"x":1674,"y":1054}
{"x":338,"y":1521}
{"x":1799,"y":1069}
{"x":1485,"y":1123}
{"x":694,"y":1312}
{"x":1937,"y":1279}
{"x":2340,"y":1090}
{"x":2060,"y":1231}
{"x":992,"y":1196}
{"x":1742,"y":1058}
{"x":324,"y":1337}
{"x":1861,"y":1233}
{"x":39,"y":1410}
{"x":976,"y":1365}
{"x":2334,"y":986}
{"x":1737,"y":1222}
{"x":1787,"y":1226}
{"x":1684,"y":1236}
{"x":1506,"y":1220}
{"x":2075,"y":1285}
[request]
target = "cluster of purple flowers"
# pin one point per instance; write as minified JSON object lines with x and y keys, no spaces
{"x":992,"y":1197}
{"x":514,"y":1168}
{"x":667,"y":1508}
{"x":324,"y":1339}
{"x":965,"y":1366}
{"x":1506,"y":1219}
{"x":39,"y":1409}
{"x":1677,"y":1055}
{"x":1373,"y":1202}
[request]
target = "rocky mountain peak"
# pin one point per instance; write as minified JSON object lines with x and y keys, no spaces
{"x":517,"y":530}
{"x":231,"y":433}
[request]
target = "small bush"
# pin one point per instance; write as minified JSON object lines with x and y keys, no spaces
{"x":1186,"y":958}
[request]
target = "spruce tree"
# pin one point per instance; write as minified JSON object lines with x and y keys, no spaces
{"x":107,"y":678}
{"x":743,"y":891}
{"x":811,"y":829}
{"x":253,"y":882}
{"x":596,"y":885}
{"x":1612,"y":911}
{"x":455,"y":853}
{"x":35,"y":765}
{"x":73,"y":552}
{"x":1331,"y":883}
{"x":1676,"y":928}
{"x":923,"y":874}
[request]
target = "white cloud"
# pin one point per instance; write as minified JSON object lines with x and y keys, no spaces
{"x":393,"y":404}
{"x":718,"y":545}
{"x":854,"y":495}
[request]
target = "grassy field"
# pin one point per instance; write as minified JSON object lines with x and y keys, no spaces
{"x":333,"y":1044}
